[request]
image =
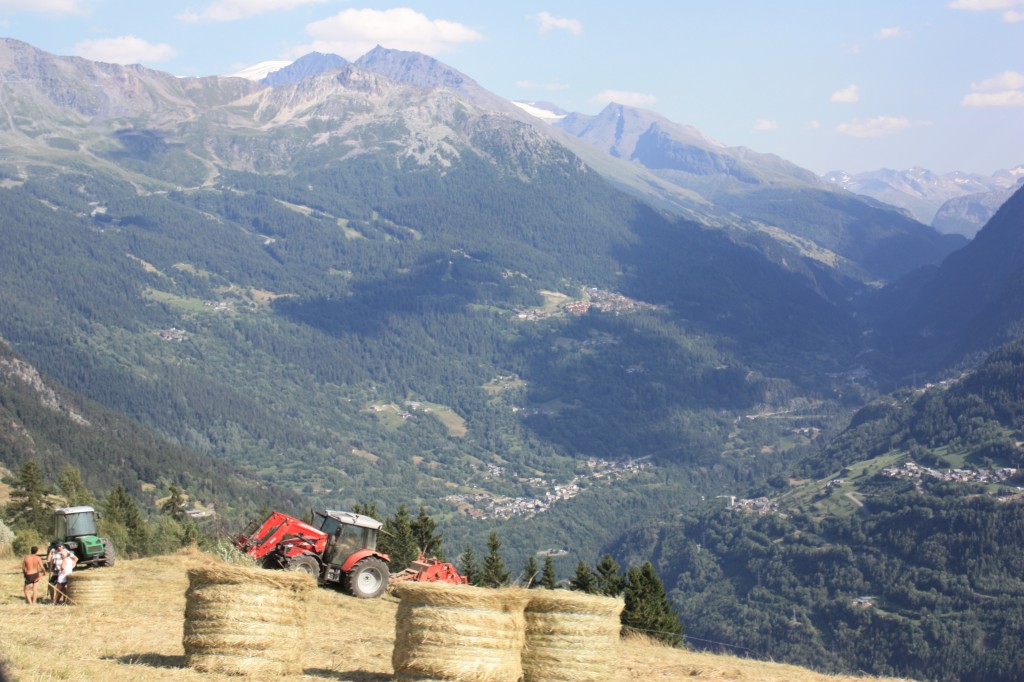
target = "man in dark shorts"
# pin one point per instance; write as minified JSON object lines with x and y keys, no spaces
{"x":32,"y":567}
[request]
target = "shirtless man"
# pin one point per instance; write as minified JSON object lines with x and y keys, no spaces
{"x":32,"y":567}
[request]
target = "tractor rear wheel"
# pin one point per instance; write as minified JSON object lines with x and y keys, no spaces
{"x":367,"y":579}
{"x":108,"y":553}
{"x":305,"y":564}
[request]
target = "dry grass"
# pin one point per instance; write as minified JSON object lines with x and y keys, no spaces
{"x":139,"y":637}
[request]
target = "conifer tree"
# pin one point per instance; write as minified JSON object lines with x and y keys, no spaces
{"x":428,"y":539}
{"x":583,"y":580}
{"x":608,"y":580}
{"x":366,"y":509}
{"x":531,"y":573}
{"x":174,"y":505}
{"x":121,"y":509}
{"x":549,"y":579}
{"x":398,"y":540}
{"x":73,"y":489}
{"x":468,"y":567}
{"x":648,"y":609}
{"x":28,"y":507}
{"x":493,"y":573}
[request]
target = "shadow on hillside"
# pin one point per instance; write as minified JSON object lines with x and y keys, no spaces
{"x":351,"y":676}
{"x":153,"y":660}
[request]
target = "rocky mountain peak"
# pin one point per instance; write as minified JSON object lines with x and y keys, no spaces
{"x":304,"y":67}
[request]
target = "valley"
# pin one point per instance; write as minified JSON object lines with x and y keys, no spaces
{"x":375,"y":282}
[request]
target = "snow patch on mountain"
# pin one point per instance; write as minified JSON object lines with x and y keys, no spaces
{"x":540,"y":112}
{"x":258,"y":72}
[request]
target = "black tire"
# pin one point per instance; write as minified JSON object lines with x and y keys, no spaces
{"x":304,"y":563}
{"x":109,"y":556}
{"x":368,"y":578}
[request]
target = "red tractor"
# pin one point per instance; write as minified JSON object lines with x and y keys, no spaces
{"x":337,"y":548}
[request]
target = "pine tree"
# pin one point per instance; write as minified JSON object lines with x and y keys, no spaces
{"x":531,"y":573}
{"x":428,"y":539}
{"x":174,"y":505}
{"x":73,"y":489}
{"x":608,"y":580}
{"x":398,"y":540}
{"x":468,"y":567}
{"x":493,"y":573}
{"x":121,"y":509}
{"x":583,"y":580}
{"x":648,"y":609}
{"x":366,"y":509}
{"x":28,"y":507}
{"x":549,"y":579}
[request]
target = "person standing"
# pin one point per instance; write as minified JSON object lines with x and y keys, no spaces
{"x":54,"y":560}
{"x":32,"y":567}
{"x":67,"y":565}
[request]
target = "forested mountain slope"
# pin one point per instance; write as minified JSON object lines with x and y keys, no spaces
{"x":861,"y":237}
{"x":361,"y":287}
{"x":971,"y":303}
{"x":897,"y":550}
{"x":43,"y":421}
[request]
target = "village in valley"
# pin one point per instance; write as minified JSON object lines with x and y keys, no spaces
{"x":485,"y":505}
{"x":594,"y":299}
{"x":916,"y":471}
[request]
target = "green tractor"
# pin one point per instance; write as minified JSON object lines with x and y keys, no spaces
{"x":76,"y":528}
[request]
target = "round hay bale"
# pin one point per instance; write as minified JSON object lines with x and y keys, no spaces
{"x":93,"y":587}
{"x":570,"y":636}
{"x":457,"y":632}
{"x":245,"y":621}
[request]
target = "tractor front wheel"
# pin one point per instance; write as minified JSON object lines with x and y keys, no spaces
{"x":305,"y":564}
{"x":367,"y":579}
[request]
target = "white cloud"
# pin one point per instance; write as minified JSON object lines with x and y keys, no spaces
{"x":45,"y":6}
{"x":764,"y":125}
{"x":878,"y":126}
{"x":630,"y":99}
{"x":983,"y":5}
{"x":1003,"y":90}
{"x":1008,"y":98}
{"x":124,"y":50}
{"x":814,"y":125}
{"x":531,"y":85}
{"x":548,"y":22}
{"x":1007,"y":80}
{"x":891,"y":32}
{"x":846,"y":95}
{"x":231,"y":10}
{"x":1010,"y":15}
{"x":354,"y":32}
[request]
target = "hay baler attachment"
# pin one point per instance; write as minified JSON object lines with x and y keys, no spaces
{"x":425,"y":570}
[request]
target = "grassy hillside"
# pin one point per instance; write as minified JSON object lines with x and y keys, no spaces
{"x":353,"y":640}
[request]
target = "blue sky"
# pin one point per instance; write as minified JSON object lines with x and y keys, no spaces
{"x":828,"y":85}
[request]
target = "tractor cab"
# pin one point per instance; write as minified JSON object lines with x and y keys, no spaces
{"x":76,"y":528}
{"x":351,"y":558}
{"x":347,"y":532}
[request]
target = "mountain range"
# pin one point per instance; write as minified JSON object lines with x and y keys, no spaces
{"x":953,"y":203}
{"x":377,"y":281}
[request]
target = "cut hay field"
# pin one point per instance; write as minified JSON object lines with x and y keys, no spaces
{"x":139,"y":637}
